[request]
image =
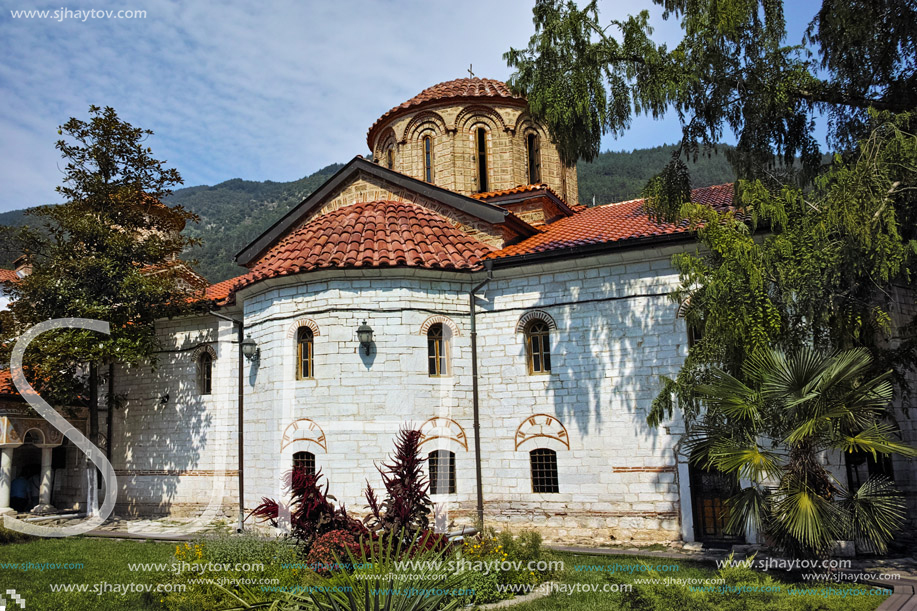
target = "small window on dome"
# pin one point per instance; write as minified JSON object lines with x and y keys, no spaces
{"x":481,"y":158}
{"x":390,"y":158}
{"x":428,"y":158}
{"x":533,"y":148}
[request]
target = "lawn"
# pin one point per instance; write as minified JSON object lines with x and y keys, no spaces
{"x":105,"y":567}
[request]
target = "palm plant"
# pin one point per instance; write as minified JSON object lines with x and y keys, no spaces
{"x":771,"y":432}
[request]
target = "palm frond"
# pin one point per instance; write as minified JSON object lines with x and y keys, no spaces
{"x":876,"y":511}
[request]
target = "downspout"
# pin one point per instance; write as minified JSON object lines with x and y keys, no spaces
{"x":488,"y":265}
{"x":241,"y":402}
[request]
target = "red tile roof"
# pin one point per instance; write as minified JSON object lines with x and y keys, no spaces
{"x":611,"y":223}
{"x":221,"y":291}
{"x":372,"y":234}
{"x":517,"y":190}
{"x":6,"y":383}
{"x":458,"y":90}
{"x":8,"y":275}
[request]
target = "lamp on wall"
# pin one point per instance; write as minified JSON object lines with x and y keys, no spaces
{"x":250,"y":349}
{"x":365,"y":335}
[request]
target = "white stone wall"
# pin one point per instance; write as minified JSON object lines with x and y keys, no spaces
{"x":616,"y":333}
{"x":174,"y":449}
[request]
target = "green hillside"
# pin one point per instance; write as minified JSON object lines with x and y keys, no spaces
{"x":236,"y":211}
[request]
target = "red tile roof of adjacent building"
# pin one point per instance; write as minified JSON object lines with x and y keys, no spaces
{"x":611,"y":223}
{"x":372,"y":234}
{"x":8,"y":275}
{"x":517,"y":190}
{"x":459,"y":89}
{"x":222,"y":291}
{"x":6,"y":383}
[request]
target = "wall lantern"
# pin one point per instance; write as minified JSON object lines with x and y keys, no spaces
{"x":365,"y":335}
{"x":250,"y":349}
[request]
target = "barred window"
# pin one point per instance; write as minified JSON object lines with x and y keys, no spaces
{"x":205,"y":373}
{"x":441,"y":465}
{"x":544,"y":471}
{"x":304,"y":461}
{"x":437,"y":351}
{"x":305,"y":364}
{"x":538,"y":346}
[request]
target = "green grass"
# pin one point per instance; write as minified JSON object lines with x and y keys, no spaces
{"x":106,"y":561}
{"x":679,"y":597}
{"x":103,"y":560}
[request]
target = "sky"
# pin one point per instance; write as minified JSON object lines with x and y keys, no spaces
{"x":260,"y":91}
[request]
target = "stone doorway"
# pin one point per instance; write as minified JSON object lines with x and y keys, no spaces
{"x":710,"y":488}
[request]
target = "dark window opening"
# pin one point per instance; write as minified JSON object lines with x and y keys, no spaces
{"x":441,"y":465}
{"x":863,"y":465}
{"x":533,"y":148}
{"x":390,"y":158}
{"x":205,"y":373}
{"x":482,"y":159}
{"x":544,"y":471}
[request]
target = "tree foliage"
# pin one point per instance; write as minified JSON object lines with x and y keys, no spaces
{"x":769,"y":431}
{"x":105,"y":254}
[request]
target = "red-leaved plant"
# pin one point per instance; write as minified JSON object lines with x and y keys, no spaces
{"x":312,"y":510}
{"x":406,"y":507}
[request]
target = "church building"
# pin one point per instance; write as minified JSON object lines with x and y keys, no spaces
{"x":449,"y":281}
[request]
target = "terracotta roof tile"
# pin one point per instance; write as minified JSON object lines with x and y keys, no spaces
{"x":611,"y":223}
{"x":459,"y":89}
{"x":517,"y":190}
{"x":222,"y":291}
{"x":371,"y":234}
{"x":8,"y":275}
{"x":6,"y":383}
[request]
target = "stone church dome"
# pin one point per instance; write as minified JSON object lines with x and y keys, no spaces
{"x":470,"y":135}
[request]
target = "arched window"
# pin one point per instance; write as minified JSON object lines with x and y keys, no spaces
{"x":538,"y":346}
{"x":304,"y":461}
{"x":437,"y":350}
{"x":305,"y":363}
{"x":428,"y":158}
{"x":480,"y":144}
{"x":544,"y":471}
{"x":390,"y":157}
{"x":441,"y":465}
{"x":533,"y":149}
{"x":205,"y":373}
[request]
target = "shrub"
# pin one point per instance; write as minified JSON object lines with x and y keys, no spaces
{"x":519,"y":551}
{"x":406,"y":507}
{"x":331,"y":545}
{"x":312,"y":510}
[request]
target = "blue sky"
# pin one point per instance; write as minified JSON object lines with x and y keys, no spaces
{"x":233,"y":89}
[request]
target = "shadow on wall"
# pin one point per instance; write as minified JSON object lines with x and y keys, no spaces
{"x":162,"y":432}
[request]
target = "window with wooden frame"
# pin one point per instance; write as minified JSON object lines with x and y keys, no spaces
{"x":480,"y":147}
{"x":538,"y":346}
{"x":533,"y":149}
{"x":305,"y":361}
{"x":437,"y":351}
{"x":441,"y":465}
{"x":428,"y":158}
{"x":544,"y":471}
{"x":304,"y":461}
{"x":205,"y":373}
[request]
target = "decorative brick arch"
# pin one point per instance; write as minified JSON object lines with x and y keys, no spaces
{"x":304,"y":430}
{"x":424,"y":120}
{"x":542,"y":426}
{"x":440,"y":427}
{"x":386,"y":137}
{"x":535,"y":315}
{"x":443,"y":320}
{"x":196,"y":355}
{"x":302,"y":322}
{"x":470,"y":114}
{"x":525,"y":123}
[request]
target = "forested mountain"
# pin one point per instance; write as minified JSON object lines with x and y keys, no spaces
{"x":236,"y":211}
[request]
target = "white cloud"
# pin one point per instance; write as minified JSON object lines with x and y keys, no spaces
{"x":237,"y":90}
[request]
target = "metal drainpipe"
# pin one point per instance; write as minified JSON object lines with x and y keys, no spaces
{"x":241,"y":331}
{"x":488,"y":265}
